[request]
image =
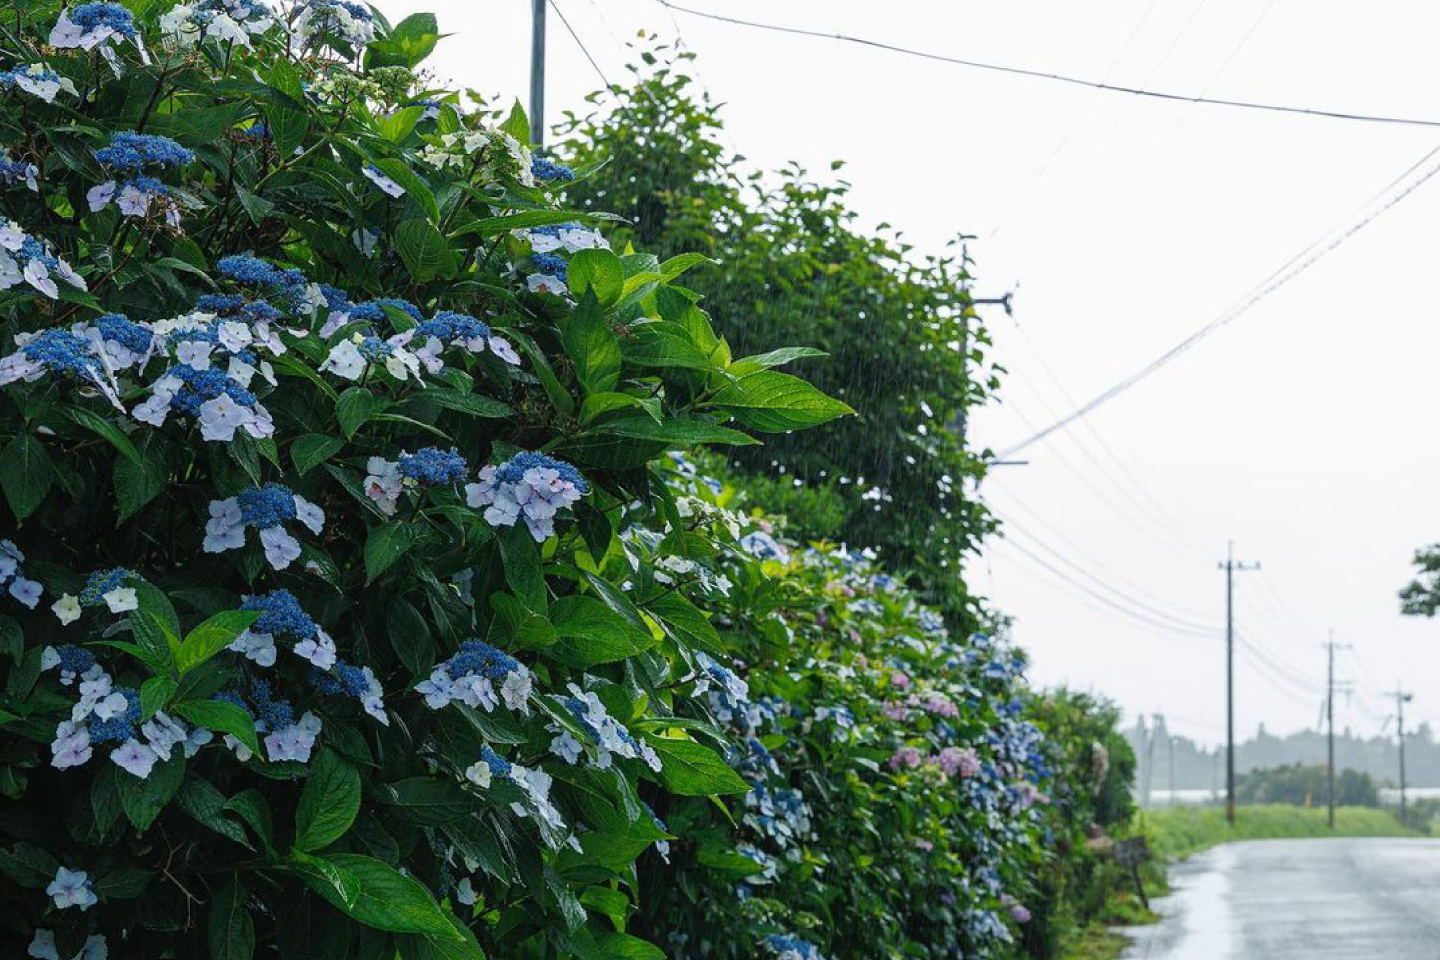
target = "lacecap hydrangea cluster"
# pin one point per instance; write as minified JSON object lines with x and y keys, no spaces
{"x":530,"y":487}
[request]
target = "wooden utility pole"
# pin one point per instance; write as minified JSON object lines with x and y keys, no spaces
{"x":1230,"y":566}
{"x":537,"y":73}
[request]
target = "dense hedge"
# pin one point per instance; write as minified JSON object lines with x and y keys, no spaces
{"x":792,"y":262}
{"x":320,"y":422}
{"x":358,"y":600}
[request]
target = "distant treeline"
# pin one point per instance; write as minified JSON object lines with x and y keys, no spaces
{"x":1200,"y":767}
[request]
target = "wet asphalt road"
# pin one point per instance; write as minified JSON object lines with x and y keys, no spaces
{"x":1301,"y":900}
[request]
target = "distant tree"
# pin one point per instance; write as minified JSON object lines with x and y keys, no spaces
{"x":1421,"y":597}
{"x":1305,"y":785}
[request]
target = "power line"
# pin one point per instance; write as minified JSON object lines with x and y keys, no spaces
{"x":1181,"y":634}
{"x":1057,"y":77}
{"x":1277,"y":279}
{"x":1149,"y":608}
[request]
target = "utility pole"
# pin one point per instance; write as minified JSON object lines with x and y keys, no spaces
{"x":1330,"y":647}
{"x":1170,"y":782}
{"x":537,"y":73}
{"x":1230,"y":566}
{"x":1402,"y":698}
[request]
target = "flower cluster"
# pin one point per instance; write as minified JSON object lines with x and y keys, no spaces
{"x":13,"y":172}
{"x":38,"y":80}
{"x":449,"y":329}
{"x":286,"y":738}
{"x":478,"y":675}
{"x":24,"y":258}
{"x":543,"y":168}
{"x":345,"y":679}
{"x":280,"y":615}
{"x":266,"y":509}
{"x":12,"y":578}
{"x":97,"y":26}
{"x":427,"y":467}
{"x":42,"y":946}
{"x":325,"y":21}
{"x":228,"y":21}
{"x":528,"y":485}
{"x":62,"y":353}
{"x":606,"y":734}
{"x":106,"y":713}
{"x":131,"y":159}
{"x":786,"y":946}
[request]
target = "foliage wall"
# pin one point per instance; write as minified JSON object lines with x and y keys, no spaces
{"x":320,"y":419}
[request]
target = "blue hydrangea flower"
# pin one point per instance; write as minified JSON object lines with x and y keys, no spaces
{"x":471,"y":677}
{"x":130,"y":152}
{"x":432,"y":467}
{"x":267,"y":509}
{"x":543,"y":168}
{"x":529,"y":485}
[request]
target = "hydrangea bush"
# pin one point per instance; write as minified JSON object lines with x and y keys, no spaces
{"x":347,"y":610}
{"x":899,"y":786}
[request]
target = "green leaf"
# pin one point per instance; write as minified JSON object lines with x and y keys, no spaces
{"x":415,"y":188}
{"x":28,"y":865}
{"x":355,"y":406}
{"x":517,"y":124}
{"x":222,"y":717}
{"x":425,"y":251}
{"x":592,"y":633}
{"x":313,"y":449}
{"x":396,"y":126}
{"x":231,"y":928}
{"x":426,"y":801}
{"x":143,"y":800}
{"x":288,"y":126}
{"x":384,"y":898}
{"x":692,"y":770}
{"x":410,"y":42}
{"x":158,"y":645}
{"x":773,"y":402}
{"x":126,"y":883}
{"x":212,"y":636}
{"x":598,"y":270}
{"x":684,"y":621}
{"x":329,"y":802}
{"x":592,"y":346}
{"x":521,"y":556}
{"x":410,"y":637}
{"x":471,"y":403}
{"x":155,"y":693}
{"x":104,"y":429}
{"x":782,"y":356}
{"x":25,"y":474}
{"x":415,"y":947}
{"x":384,"y":545}
{"x":494,"y":226}
{"x":206,"y":805}
{"x":625,"y":947}
{"x":667,"y":345}
{"x":137,"y":482}
{"x":678,"y":432}
{"x":675,"y":266}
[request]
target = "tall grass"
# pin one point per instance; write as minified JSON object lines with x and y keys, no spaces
{"x":1178,"y":832}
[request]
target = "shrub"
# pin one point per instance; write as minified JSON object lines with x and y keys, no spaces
{"x":322,"y":419}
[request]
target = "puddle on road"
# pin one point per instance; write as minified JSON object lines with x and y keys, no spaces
{"x":1196,"y":924}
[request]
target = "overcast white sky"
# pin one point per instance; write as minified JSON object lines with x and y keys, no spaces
{"x":1304,"y":431}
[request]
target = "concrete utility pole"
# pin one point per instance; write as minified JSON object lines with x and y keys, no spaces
{"x":537,"y":73}
{"x":1402,"y":698}
{"x":1330,"y":647}
{"x":1170,"y":740}
{"x":1230,"y":566}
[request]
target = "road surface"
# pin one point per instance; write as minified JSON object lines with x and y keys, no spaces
{"x":1301,"y":900}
